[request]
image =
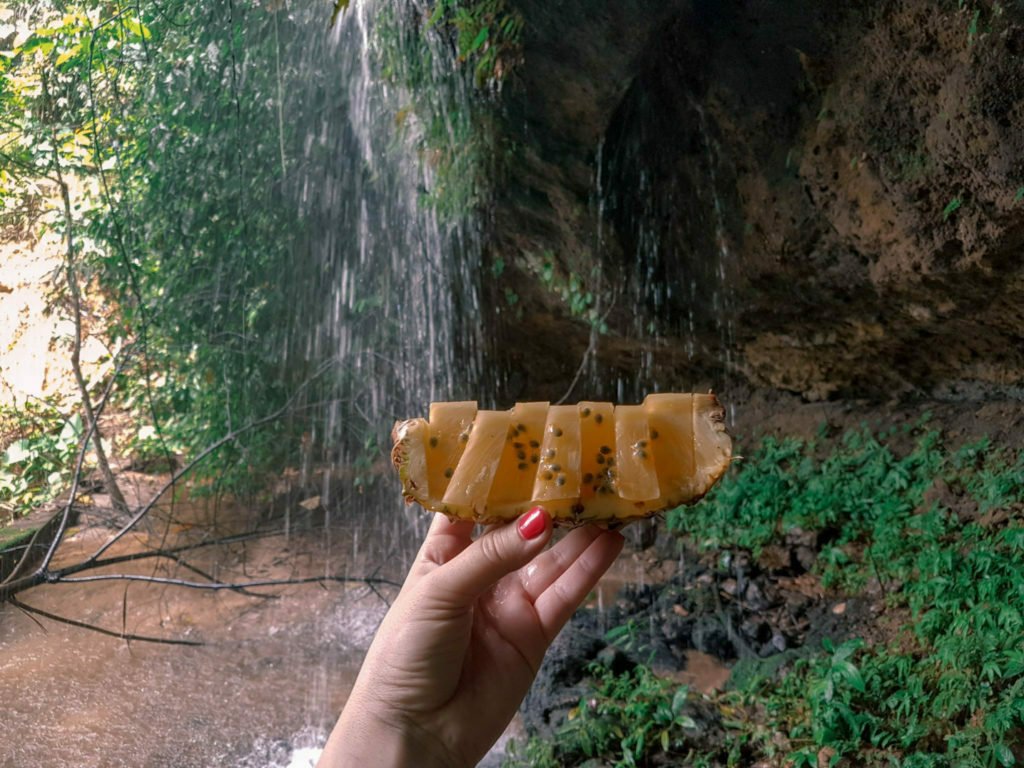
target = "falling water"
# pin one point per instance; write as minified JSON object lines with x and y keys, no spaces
{"x":395,"y":294}
{"x":671,"y":216}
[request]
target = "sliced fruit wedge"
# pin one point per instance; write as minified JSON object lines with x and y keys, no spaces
{"x":591,"y":462}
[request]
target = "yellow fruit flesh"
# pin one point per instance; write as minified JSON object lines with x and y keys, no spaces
{"x":670,"y":436}
{"x":634,"y":471}
{"x":471,"y":481}
{"x":667,"y":452}
{"x":558,"y":478}
{"x":597,"y":435}
{"x":520,"y":458}
{"x":711,"y":445}
{"x":449,"y":423}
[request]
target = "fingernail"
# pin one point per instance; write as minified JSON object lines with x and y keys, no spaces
{"x":533,"y":524}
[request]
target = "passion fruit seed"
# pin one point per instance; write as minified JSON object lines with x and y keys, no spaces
{"x":600,"y":458}
{"x":556,"y":467}
{"x":556,"y":431}
{"x":433,"y":442}
{"x":588,"y":478}
{"x":560,"y":480}
{"x":448,"y":473}
{"x":585,"y":412}
{"x":654,"y":434}
{"x":521,"y":427}
{"x":522,"y":465}
{"x":549,"y":453}
{"x":599,"y":418}
{"x":605,"y":450}
{"x":641,"y":444}
{"x":534,"y":458}
{"x":641,"y":453}
{"x":517,"y":445}
{"x":464,"y":437}
{"x":521,"y":455}
{"x":547,"y":475}
{"x":534,"y":444}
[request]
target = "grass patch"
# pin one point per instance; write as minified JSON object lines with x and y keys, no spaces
{"x":938,"y":534}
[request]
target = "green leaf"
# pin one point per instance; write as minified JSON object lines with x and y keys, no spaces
{"x":1019,"y":196}
{"x":17,"y":452}
{"x":679,"y":700}
{"x":139,"y":29}
{"x":951,"y":207}
{"x":1004,"y":754}
{"x":72,"y":430}
{"x":664,"y":741}
{"x":69,"y":54}
{"x":480,"y":39}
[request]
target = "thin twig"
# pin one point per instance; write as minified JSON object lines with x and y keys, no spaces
{"x":101,"y":630}
{"x":219,"y":586}
{"x":200,"y":458}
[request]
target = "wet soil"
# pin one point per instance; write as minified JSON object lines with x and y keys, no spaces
{"x":271,"y":675}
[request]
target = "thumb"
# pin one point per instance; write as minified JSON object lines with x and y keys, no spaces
{"x":493,"y":556}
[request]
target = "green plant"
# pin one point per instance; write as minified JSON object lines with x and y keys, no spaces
{"x":947,"y":688}
{"x":624,"y":720}
{"x":37,"y":461}
{"x":571,"y":288}
{"x":487,"y":34}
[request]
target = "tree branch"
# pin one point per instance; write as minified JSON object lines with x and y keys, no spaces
{"x":110,"y":633}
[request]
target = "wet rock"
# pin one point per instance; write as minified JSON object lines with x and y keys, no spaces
{"x":710,"y":637}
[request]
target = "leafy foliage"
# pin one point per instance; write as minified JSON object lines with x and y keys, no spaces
{"x":944,"y":687}
{"x":627,"y":718}
{"x":156,"y":113}
{"x":37,"y":457}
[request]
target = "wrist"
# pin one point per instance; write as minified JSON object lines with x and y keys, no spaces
{"x":365,"y":739}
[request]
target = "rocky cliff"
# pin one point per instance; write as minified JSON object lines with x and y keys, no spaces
{"x":824,"y":200}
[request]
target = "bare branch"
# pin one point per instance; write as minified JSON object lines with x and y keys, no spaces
{"x":219,"y":586}
{"x":110,"y":633}
{"x":231,"y":436}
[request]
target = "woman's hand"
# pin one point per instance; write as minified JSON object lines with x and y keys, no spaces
{"x":463,"y":641}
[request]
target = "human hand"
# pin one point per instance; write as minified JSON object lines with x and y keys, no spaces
{"x":463,"y":641}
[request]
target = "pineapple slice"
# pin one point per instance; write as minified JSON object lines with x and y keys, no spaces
{"x":470,"y":486}
{"x":450,"y":425}
{"x":670,"y":422}
{"x":591,"y":462}
{"x":557,"y":485}
{"x":634,"y":471}
{"x":521,"y":457}
{"x":597,"y":434}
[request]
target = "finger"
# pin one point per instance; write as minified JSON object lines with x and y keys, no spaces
{"x":494,"y":555}
{"x":444,"y":541}
{"x":558,"y":602}
{"x":542,"y":572}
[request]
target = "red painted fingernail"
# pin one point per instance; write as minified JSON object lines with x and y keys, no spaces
{"x":533,"y":523}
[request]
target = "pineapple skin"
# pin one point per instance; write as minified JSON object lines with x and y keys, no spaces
{"x":410,"y":456}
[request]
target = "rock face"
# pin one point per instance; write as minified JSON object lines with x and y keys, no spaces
{"x":828,"y":201}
